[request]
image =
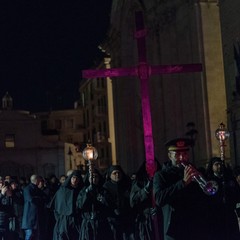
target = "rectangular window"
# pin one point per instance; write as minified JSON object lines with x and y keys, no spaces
{"x":58,"y":124}
{"x":69,"y":138}
{"x":103,"y":82}
{"x":69,"y":123}
{"x":9,"y":140}
{"x":44,"y":124}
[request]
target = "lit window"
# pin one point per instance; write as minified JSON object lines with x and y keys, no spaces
{"x":10,"y":141}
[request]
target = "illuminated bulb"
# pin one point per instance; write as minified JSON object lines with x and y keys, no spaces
{"x":222,"y":133}
{"x":90,"y":153}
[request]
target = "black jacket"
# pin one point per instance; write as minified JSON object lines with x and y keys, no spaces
{"x":33,"y":206}
{"x":184,"y":207}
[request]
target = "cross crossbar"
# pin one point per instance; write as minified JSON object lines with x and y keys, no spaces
{"x":143,"y":71}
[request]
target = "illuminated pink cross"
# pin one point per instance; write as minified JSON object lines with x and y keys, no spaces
{"x":144,"y":71}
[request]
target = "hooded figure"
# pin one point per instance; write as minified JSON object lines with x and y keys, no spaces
{"x":65,"y":210}
{"x":93,"y":209}
{"x":222,"y":216}
{"x":141,"y":199}
{"x":117,"y":195}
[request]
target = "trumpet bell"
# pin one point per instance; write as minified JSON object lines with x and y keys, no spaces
{"x":211,"y":188}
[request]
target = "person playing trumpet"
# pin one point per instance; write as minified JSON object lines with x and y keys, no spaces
{"x":183,"y":203}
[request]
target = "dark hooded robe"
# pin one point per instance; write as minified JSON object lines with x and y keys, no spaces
{"x":64,"y":204}
{"x":222,"y":216}
{"x":93,"y":210}
{"x":147,"y":216}
{"x":117,"y":196}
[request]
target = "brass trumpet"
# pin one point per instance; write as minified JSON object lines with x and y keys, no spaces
{"x":208,"y":187}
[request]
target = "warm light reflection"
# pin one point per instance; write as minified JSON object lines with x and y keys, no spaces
{"x":90,"y":153}
{"x":222,"y":133}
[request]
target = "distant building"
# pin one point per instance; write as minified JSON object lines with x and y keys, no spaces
{"x":68,"y":124}
{"x":45,"y":143}
{"x":69,"y":128}
{"x":98,"y":117}
{"x":230,"y":25}
{"x":23,"y":148}
{"x":176,"y":32}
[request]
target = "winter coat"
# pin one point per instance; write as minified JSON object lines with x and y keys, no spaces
{"x":33,"y":207}
{"x":185,"y":208}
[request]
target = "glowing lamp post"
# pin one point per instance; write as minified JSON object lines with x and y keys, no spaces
{"x":90,"y":154}
{"x":222,"y":134}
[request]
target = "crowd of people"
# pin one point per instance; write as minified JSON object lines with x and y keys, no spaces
{"x":94,"y":206}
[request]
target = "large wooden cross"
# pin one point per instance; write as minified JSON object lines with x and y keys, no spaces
{"x":143,"y":71}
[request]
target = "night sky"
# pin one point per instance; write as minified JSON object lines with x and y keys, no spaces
{"x":44,"y":46}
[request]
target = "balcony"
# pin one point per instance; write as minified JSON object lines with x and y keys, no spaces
{"x":100,"y":111}
{"x":80,"y":127}
{"x":99,"y":90}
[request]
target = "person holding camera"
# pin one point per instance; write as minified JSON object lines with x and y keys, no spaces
{"x":6,"y":210}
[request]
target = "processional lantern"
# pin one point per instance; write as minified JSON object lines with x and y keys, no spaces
{"x":90,"y":154}
{"x":222,"y":134}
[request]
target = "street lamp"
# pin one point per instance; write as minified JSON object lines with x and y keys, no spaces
{"x":90,"y":154}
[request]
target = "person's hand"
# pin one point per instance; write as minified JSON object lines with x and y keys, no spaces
{"x":148,"y":186}
{"x":189,"y":173}
{"x":100,"y":198}
{"x":89,"y":188}
{"x":4,"y":190}
{"x":117,"y":212}
{"x":153,"y":211}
